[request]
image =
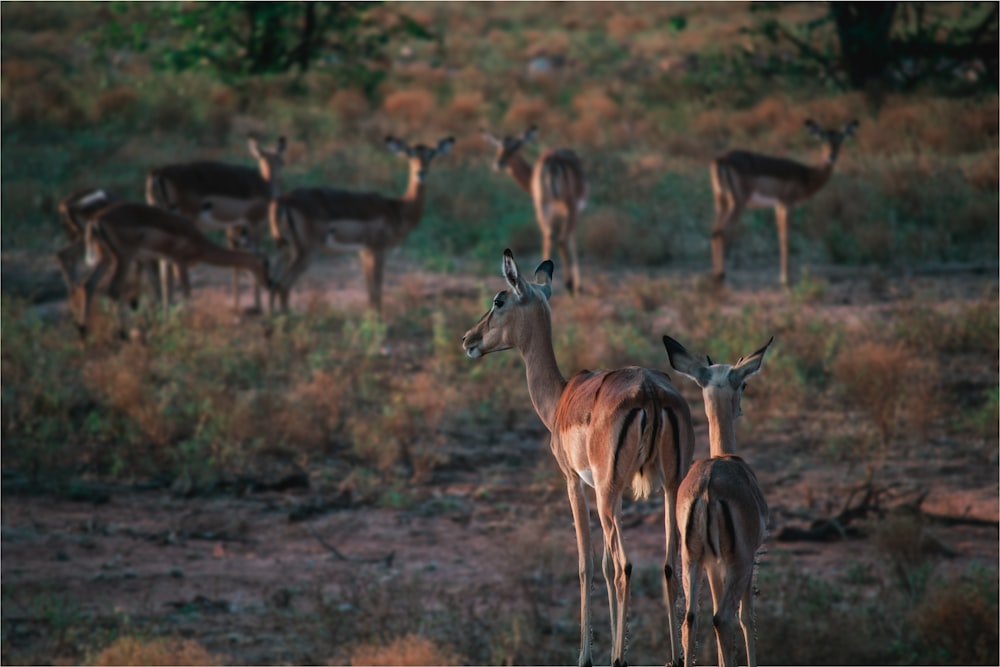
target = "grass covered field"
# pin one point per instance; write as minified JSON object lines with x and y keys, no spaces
{"x":883,"y":377}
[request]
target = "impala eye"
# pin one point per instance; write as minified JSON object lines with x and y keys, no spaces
{"x":743,"y":387}
{"x":498,"y":300}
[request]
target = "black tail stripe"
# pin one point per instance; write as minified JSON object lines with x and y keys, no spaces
{"x":622,"y":434}
{"x":727,"y":516}
{"x":675,"y":432}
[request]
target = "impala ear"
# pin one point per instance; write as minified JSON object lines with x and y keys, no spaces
{"x":814,"y":128}
{"x":512,"y":275}
{"x":281,"y":145}
{"x":543,"y":277}
{"x":445,"y":145}
{"x":748,"y":366}
{"x":398,"y":145}
{"x":684,"y":362}
{"x":850,"y":128}
{"x":530,"y":133}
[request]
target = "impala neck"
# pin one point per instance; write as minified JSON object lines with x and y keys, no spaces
{"x":545,"y":382}
{"x":721,"y":427}
{"x":518,"y":167}
{"x":413,"y":198}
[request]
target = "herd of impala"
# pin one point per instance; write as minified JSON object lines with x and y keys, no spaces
{"x":608,"y":429}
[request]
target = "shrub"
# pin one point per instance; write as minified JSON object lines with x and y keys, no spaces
{"x":165,"y":651}
{"x":407,"y":650}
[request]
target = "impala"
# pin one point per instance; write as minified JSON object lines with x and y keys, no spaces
{"x":609,"y":430}
{"x":741,"y":179}
{"x":219,"y":195}
{"x":308,"y":219}
{"x":721,"y":510}
{"x":558,"y":189}
{"x":73,"y":213}
{"x":127,"y":232}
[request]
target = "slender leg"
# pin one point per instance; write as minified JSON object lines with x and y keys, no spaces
{"x":748,"y":623}
{"x":617,"y":571}
{"x":670,"y":573}
{"x":68,"y":258}
{"x":727,"y":214}
{"x":115,"y":293}
{"x":234,"y":236}
{"x":84,"y":295}
{"x":581,"y":521}
{"x":781,"y":218}
{"x":561,"y":243}
{"x":299,"y":261}
{"x":575,"y":259}
{"x":372,"y":263}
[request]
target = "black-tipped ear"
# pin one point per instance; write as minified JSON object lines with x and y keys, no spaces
{"x":684,"y":362}
{"x":709,"y":360}
{"x":511,"y":274}
{"x":530,"y":133}
{"x":750,"y":365}
{"x":445,"y":145}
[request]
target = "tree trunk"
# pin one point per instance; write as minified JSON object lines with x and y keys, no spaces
{"x":863,"y":29}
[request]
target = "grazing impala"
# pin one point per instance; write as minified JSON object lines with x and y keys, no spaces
{"x":219,"y":195}
{"x":741,"y":179}
{"x":73,"y":212}
{"x":309,"y":219}
{"x":123,"y":233}
{"x":559,"y":191}
{"x":721,"y":510}
{"x":609,"y":430}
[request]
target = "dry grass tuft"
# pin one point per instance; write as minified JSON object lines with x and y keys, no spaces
{"x":409,"y":650}
{"x":889,"y":382}
{"x":525,"y":111}
{"x":960,"y":618}
{"x":350,"y":105}
{"x":135,"y":651}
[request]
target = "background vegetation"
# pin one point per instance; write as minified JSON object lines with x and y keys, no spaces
{"x":93,"y":95}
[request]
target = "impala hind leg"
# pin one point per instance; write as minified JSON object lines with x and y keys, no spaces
{"x":671,"y":579}
{"x":749,"y":623}
{"x":67,"y":259}
{"x":781,"y":220}
{"x":617,"y":574}
{"x":581,"y":521}
{"x":298,"y":263}
{"x":728,"y":213}
{"x":373,"y":266}
{"x":727,"y":590}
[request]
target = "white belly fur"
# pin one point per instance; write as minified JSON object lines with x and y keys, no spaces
{"x":761,"y":201}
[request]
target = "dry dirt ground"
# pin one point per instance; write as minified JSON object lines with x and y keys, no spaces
{"x":239,"y":573}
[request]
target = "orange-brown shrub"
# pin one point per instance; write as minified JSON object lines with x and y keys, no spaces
{"x":524,"y":112}
{"x":984,"y":173}
{"x":412,"y":106}
{"x":961,"y":619}
{"x":409,"y":650}
{"x":465,"y":108}
{"x":118,"y":102}
{"x":135,"y":651}
{"x":622,"y":27}
{"x":595,"y":103}
{"x":604,"y":234}
{"x":588,"y":131}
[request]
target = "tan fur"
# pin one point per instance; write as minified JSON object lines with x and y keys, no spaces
{"x":607,"y":429}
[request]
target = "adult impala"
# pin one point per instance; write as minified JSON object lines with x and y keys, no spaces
{"x":309,"y":219}
{"x":126,"y":232}
{"x":558,"y":189}
{"x":226,"y":196}
{"x":721,"y":510}
{"x":741,"y":179}
{"x":609,"y":430}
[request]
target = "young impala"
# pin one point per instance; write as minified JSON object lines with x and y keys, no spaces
{"x":558,"y":189}
{"x":609,"y":430}
{"x":741,"y":179}
{"x":721,"y":510}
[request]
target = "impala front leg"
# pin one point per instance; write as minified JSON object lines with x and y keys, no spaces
{"x":781,"y":219}
{"x":373,"y":265}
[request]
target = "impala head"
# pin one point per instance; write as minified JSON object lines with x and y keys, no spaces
{"x":721,"y":385}
{"x":269,"y":162}
{"x":510,"y":320}
{"x":832,"y":138}
{"x":508,"y":146}
{"x":420,"y":156}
